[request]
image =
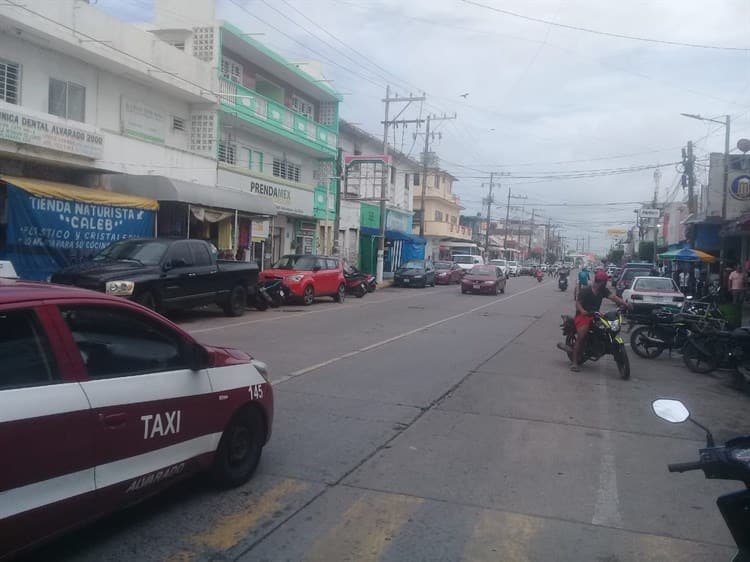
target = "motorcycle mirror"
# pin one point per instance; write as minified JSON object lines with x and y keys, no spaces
{"x":672,"y":411}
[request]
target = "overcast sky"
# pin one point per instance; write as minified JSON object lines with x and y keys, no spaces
{"x":542,"y":100}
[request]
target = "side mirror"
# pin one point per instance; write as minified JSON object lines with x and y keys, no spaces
{"x":672,"y":411}
{"x":316,"y":268}
{"x":198,"y":358}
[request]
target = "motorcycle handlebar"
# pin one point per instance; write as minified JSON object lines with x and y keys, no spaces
{"x":685,"y":466}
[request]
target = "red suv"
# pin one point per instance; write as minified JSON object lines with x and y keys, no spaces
{"x":307,"y":277}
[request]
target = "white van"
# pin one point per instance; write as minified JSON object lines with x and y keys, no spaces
{"x":467,"y":261}
{"x":502,"y":264}
{"x":513,"y":268}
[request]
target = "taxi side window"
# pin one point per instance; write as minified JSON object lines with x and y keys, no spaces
{"x":115,"y":342}
{"x":25,"y":353}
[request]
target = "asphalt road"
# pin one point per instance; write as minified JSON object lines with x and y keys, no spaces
{"x":422,"y":424}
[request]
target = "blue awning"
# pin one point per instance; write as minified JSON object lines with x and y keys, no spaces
{"x":392,"y":235}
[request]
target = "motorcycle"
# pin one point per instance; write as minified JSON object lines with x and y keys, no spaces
{"x":562,"y":283}
{"x":273,"y":292}
{"x":539,"y":275}
{"x":666,"y":330}
{"x":705,"y":352}
{"x":730,"y":462}
{"x":356,"y":284}
{"x":603,"y":339}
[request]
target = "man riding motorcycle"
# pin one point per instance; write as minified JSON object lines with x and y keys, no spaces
{"x":588,"y":302}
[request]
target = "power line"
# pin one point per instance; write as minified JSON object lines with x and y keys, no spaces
{"x":605,"y":33}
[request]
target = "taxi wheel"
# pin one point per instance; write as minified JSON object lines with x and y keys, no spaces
{"x":239,"y":449}
{"x":340,"y":294}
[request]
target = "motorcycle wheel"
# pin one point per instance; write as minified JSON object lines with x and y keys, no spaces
{"x":259,"y":302}
{"x":623,"y":362}
{"x":570,"y":341}
{"x":641,"y":346}
{"x":696,"y":360}
{"x":360,"y":291}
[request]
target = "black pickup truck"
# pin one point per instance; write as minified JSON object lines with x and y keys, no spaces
{"x":165,"y":274}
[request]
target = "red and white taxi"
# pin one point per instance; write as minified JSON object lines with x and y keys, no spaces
{"x":103,"y":402}
{"x":647,"y":293}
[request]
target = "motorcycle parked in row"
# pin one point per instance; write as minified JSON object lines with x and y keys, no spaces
{"x":667,"y":330}
{"x":356,"y":283}
{"x":706,"y":351}
{"x":270,"y":293}
{"x":730,"y":462}
{"x":603,"y":339}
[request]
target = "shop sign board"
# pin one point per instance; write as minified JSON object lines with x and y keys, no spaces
{"x":47,"y":131}
{"x":143,"y":121}
{"x":288,"y":200}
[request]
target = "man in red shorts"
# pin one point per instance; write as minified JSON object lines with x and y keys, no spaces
{"x":589,"y":301}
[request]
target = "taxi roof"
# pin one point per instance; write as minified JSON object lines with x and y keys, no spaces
{"x":13,"y":290}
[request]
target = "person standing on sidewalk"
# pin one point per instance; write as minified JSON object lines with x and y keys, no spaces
{"x":737,"y":285}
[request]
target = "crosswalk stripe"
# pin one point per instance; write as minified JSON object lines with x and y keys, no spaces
{"x":230,"y":529}
{"x":366,"y":529}
{"x":502,"y":536}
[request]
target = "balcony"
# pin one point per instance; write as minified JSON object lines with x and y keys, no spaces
{"x":275,"y":117}
{"x":445,"y":229}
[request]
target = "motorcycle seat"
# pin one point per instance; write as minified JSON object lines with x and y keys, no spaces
{"x":741,"y":333}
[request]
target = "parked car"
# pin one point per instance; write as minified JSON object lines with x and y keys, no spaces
{"x":104,"y":403}
{"x":526,"y":269}
{"x":512,"y":268}
{"x":307,"y":277}
{"x":163,"y":274}
{"x":628,"y":274}
{"x":467,"y":261}
{"x":415,"y":273}
{"x":483,"y":279}
{"x":502,"y":264}
{"x":647,"y":293}
{"x":447,"y":272}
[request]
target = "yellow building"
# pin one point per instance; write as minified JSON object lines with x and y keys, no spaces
{"x":442,"y":209}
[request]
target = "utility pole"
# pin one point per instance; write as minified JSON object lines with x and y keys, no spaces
{"x":507,"y":219}
{"x":337,"y":202}
{"x":490,"y":200}
{"x":386,"y":173}
{"x":688,"y":177}
{"x":425,"y":164}
{"x":531,"y":233}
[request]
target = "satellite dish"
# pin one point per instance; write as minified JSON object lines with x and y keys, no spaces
{"x":744,"y":145}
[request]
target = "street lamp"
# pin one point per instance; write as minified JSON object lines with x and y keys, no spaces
{"x":726,"y":124}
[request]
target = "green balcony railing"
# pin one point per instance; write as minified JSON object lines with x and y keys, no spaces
{"x":255,"y":108}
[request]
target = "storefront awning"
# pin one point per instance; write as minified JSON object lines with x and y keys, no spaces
{"x":56,"y":190}
{"x":392,"y":235}
{"x":168,"y":189}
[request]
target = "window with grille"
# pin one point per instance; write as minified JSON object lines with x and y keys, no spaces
{"x":286,"y":170}
{"x":228,"y":153}
{"x":416,"y":179}
{"x":10,"y":82}
{"x":231,"y":70}
{"x":301,"y":105}
{"x":438,"y":216}
{"x":178,"y":123}
{"x":67,"y":100}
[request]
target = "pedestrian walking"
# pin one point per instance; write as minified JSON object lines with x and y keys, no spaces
{"x":684,"y":281}
{"x":737,"y":285}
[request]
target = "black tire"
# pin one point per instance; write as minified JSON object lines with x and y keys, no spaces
{"x":308,"y":295}
{"x":696,"y":360}
{"x":340,"y":295}
{"x":360,"y":292}
{"x":371,"y":287}
{"x":147,"y":299}
{"x":623,"y":362}
{"x":503,"y":290}
{"x":495,"y":291}
{"x":239,"y":450}
{"x":642,"y":347}
{"x":463,"y":291}
{"x":260,"y":302}
{"x":235,"y":305}
{"x":571,"y":342}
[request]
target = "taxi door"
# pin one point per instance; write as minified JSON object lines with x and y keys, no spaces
{"x":46,"y":440}
{"x":154,"y":418}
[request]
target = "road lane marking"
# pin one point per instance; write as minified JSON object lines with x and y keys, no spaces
{"x":607,"y":506}
{"x":230,"y":529}
{"x":306,"y":313}
{"x":397,"y":337}
{"x":365,"y":529}
{"x":502,"y":536}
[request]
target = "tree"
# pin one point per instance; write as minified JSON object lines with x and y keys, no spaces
{"x":615,"y":255}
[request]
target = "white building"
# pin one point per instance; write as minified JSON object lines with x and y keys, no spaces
{"x":361,"y":193}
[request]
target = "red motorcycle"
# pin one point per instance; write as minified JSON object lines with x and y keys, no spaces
{"x":539,"y":275}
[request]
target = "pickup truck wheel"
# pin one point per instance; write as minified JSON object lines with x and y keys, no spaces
{"x":235,"y":305}
{"x":340,"y":294}
{"x":308,"y":295}
{"x":147,"y":299}
{"x":239,"y":449}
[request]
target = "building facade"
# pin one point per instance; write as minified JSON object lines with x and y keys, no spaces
{"x":366,"y":171}
{"x":442,"y":211}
